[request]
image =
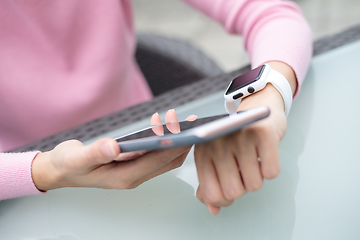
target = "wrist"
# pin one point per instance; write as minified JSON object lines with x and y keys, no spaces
{"x":281,"y":77}
{"x":268,"y":96}
{"x":286,"y":71}
{"x":43,"y":174}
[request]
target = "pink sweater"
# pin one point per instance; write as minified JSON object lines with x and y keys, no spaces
{"x":63,"y":63}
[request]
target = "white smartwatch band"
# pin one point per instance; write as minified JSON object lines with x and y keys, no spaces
{"x":283,"y":86}
{"x":278,"y":81}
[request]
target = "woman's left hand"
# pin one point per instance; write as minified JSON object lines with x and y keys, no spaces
{"x":230,"y":166}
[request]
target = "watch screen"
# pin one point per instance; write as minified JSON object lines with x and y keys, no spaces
{"x":245,"y":79}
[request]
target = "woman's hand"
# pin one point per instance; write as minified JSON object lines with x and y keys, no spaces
{"x":230,"y":166}
{"x":71,"y":164}
{"x":101,"y":165}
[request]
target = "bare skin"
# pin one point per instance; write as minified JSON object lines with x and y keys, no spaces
{"x":101,"y":165}
{"x":228,"y":167}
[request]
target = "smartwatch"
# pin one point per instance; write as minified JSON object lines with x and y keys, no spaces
{"x":253,"y":81}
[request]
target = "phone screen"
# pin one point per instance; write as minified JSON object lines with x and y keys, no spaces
{"x":185,"y":125}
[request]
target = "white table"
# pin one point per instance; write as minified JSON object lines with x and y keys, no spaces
{"x":316,"y":195}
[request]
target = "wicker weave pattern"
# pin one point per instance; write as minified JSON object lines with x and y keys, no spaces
{"x":170,"y":63}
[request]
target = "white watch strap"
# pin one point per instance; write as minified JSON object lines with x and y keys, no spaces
{"x":231,"y":107}
{"x":283,"y":86}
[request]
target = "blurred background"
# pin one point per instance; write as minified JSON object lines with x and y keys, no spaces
{"x":173,"y":18}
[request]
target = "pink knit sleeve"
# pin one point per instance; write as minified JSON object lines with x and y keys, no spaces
{"x":273,"y":30}
{"x":15,"y":175}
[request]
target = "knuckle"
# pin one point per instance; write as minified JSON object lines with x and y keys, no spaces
{"x":271,"y":173}
{"x":249,"y":131}
{"x":254,"y":185}
{"x":199,"y":195}
{"x":212,"y":197}
{"x":231,"y":193}
{"x":262,"y":129}
{"x":217,"y":149}
{"x":256,"y":131}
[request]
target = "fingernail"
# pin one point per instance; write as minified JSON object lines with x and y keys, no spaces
{"x":176,"y":119}
{"x":191,"y":118}
{"x":108,"y":150}
{"x":208,"y":206}
{"x":158,"y":130}
{"x":173,"y":127}
{"x":155,"y":118}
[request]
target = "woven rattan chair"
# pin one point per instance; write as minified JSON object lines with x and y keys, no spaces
{"x":169,"y":63}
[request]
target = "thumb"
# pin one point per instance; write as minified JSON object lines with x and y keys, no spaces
{"x":101,"y":152}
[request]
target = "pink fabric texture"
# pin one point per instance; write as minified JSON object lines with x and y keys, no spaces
{"x":15,"y":175}
{"x":63,"y":63}
{"x":273,"y":30}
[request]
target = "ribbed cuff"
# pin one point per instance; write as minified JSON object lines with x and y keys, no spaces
{"x":15,"y":175}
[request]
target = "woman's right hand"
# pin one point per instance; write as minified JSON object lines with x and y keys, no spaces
{"x":71,"y":164}
{"x":101,"y":165}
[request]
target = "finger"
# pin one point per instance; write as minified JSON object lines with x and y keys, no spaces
{"x":100,"y":152}
{"x":171,"y":121}
{"x":130,"y":155}
{"x":214,"y":210}
{"x":155,"y":119}
{"x":148,"y":163}
{"x":177,"y":162}
{"x":156,"y":124}
{"x":249,"y":164}
{"x":269,"y":155}
{"x":191,"y":118}
{"x":199,"y":195}
{"x":208,"y":179}
{"x":227,"y":168}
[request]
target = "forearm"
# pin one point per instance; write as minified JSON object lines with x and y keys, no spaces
{"x":273,"y":30}
{"x":275,"y":45}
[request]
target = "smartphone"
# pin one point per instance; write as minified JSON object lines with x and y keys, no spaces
{"x":191,"y":132}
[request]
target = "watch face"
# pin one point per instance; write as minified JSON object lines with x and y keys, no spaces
{"x":245,"y":79}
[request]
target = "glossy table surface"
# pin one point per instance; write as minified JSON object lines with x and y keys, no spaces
{"x":316,"y":195}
